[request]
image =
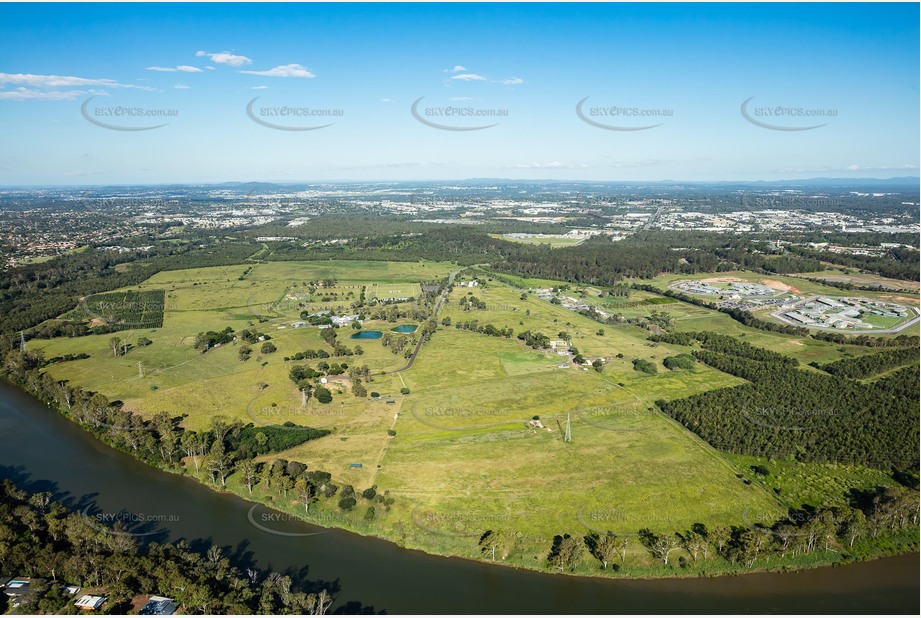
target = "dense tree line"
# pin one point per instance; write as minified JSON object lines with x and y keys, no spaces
{"x":455,"y":243}
{"x":725,"y":344}
{"x":897,"y":263}
{"x":871,"y":364}
{"x":869,"y":341}
{"x":42,"y":538}
{"x":33,"y":293}
{"x":160,"y":441}
{"x":597,"y":261}
{"x":904,"y":383}
{"x":852,"y":529}
{"x":321,"y":353}
{"x":474,"y":326}
{"x":789,"y":412}
{"x":228,"y":447}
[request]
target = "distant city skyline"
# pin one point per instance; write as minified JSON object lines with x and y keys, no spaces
{"x":155,"y":94}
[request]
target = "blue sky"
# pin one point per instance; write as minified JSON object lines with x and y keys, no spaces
{"x":67,"y":69}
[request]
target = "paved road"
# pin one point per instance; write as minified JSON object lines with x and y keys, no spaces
{"x":441,"y":301}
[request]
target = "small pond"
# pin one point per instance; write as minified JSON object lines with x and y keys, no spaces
{"x":368,"y":334}
{"x":405,"y":328}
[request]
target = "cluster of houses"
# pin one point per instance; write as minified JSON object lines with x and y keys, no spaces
{"x":337,"y":320}
{"x":561,"y":348}
{"x":18,"y":589}
{"x":843,"y":313}
{"x":568,"y":302}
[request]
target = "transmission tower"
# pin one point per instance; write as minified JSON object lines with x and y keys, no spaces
{"x":23,"y":346}
{"x":567,"y":437}
{"x":140,"y":370}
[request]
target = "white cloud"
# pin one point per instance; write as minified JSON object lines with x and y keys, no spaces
{"x":285,"y":70}
{"x":211,"y":68}
{"x":46,"y":87}
{"x":469,"y":77}
{"x":461,"y":98}
{"x":25,"y":94}
{"x":512,"y":81}
{"x":225,"y":58}
{"x":259,"y":88}
{"x":181,"y":87}
{"x":386,"y":100}
{"x":457,"y":69}
{"x":182,"y":68}
{"x":56,"y":81}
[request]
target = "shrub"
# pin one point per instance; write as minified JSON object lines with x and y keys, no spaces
{"x":644,"y":366}
{"x":682,"y":361}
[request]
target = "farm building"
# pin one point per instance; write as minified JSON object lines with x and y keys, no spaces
{"x":343,"y":320}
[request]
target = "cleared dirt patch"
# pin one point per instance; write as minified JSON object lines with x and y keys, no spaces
{"x":780,"y":285}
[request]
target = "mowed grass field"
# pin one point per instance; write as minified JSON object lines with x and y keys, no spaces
{"x":463,"y":459}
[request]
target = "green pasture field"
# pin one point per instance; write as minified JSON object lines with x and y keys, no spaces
{"x":687,"y":317}
{"x":811,"y":484}
{"x":464,"y":459}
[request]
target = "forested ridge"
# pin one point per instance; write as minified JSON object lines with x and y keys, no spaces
{"x":790,"y":412}
{"x":897,"y":263}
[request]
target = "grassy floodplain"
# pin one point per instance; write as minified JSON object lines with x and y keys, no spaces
{"x":463,"y":460}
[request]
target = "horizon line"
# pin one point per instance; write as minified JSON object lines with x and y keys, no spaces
{"x":469,"y":179}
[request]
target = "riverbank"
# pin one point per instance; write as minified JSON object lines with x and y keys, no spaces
{"x":46,"y":452}
{"x":642,"y":556}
